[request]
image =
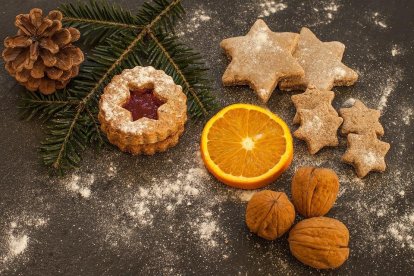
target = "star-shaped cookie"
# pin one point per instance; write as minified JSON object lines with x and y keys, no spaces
{"x":366,"y":153}
{"x":319,"y":127}
{"x":311,"y":99}
{"x":261,"y":59}
{"x":322,"y":64}
{"x":361,"y":119}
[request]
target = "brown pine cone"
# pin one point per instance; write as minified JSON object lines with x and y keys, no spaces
{"x":41,"y":56}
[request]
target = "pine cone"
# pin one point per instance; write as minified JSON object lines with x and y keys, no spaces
{"x":41,"y":56}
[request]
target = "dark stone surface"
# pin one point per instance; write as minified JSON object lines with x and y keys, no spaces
{"x":86,"y":236}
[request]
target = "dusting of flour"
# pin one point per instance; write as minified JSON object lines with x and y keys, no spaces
{"x":271,"y":7}
{"x":196,"y":19}
{"x":17,"y":239}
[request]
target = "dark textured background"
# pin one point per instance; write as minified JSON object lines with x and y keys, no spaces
{"x":69,"y":243}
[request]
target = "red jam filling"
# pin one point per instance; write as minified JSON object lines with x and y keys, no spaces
{"x":143,"y":103}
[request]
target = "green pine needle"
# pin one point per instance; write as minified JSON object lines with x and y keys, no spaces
{"x":97,"y":20}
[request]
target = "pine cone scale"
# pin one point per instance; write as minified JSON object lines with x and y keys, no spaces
{"x":23,"y":76}
{"x":34,"y":51}
{"x":54,"y":73}
{"x":36,"y":17}
{"x":17,"y":41}
{"x":10,"y":54}
{"x":41,"y":56}
{"x":45,"y":24}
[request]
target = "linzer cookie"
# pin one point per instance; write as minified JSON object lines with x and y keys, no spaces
{"x":366,"y":153}
{"x":261,"y":59}
{"x":322,"y":64}
{"x":311,"y":99}
{"x":361,"y":119}
{"x":318,"y":127}
{"x":142,"y":111}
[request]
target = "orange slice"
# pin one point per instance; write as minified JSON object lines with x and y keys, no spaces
{"x":246,"y":146}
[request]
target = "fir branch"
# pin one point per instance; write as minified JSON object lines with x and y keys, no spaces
{"x":160,"y":14}
{"x":97,"y":20}
{"x":95,"y":134}
{"x":67,"y":134}
{"x":43,"y":107}
{"x":186,"y":67}
{"x":65,"y":140}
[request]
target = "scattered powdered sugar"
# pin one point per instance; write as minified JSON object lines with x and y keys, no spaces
{"x":196,"y":20}
{"x":17,"y":244}
{"x":407,"y":114}
{"x":395,"y":51}
{"x":379,"y":20}
{"x":370,"y":158}
{"x":244,"y":195}
{"x":331,"y":8}
{"x":206,"y":229}
{"x":321,"y":12}
{"x":391,"y":84}
{"x":402,"y":231}
{"x":271,"y":7}
{"x":349,"y":103}
{"x":17,"y":238}
{"x":79,"y":184}
{"x":339,"y":72}
{"x":166,"y":194}
{"x":158,"y":204}
{"x":314,"y":124}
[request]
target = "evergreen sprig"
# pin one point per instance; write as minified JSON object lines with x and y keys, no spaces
{"x":126,"y":41}
{"x":97,"y":20}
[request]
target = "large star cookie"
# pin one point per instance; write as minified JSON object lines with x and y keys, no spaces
{"x":322,"y":64}
{"x":361,"y":120}
{"x":311,"y":99}
{"x":366,"y":153}
{"x":319,"y":127}
{"x":261,"y":59}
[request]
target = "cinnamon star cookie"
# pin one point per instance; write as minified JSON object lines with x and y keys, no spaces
{"x":322,"y":64}
{"x":261,"y":59}
{"x":311,"y":99}
{"x":361,"y":119}
{"x":319,"y":127}
{"x":366,"y":153}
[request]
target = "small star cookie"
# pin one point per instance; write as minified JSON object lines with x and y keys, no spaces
{"x":361,"y":120}
{"x":319,"y":127}
{"x":322,"y":64}
{"x":261,"y":59}
{"x":366,"y":153}
{"x":311,"y":99}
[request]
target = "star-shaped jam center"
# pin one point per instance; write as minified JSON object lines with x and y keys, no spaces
{"x":143,"y":103}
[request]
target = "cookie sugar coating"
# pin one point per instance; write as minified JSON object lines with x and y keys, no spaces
{"x":361,"y":119}
{"x":311,"y":99}
{"x":366,"y":153}
{"x":261,"y":59}
{"x":319,"y":127}
{"x":322,"y":64}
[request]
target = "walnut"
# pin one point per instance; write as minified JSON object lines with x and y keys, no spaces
{"x":320,"y":242}
{"x":269,"y":214}
{"x":314,"y":191}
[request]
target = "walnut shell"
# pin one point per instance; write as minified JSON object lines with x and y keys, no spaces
{"x":269,"y":214}
{"x":314,"y":191}
{"x":320,"y":242}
